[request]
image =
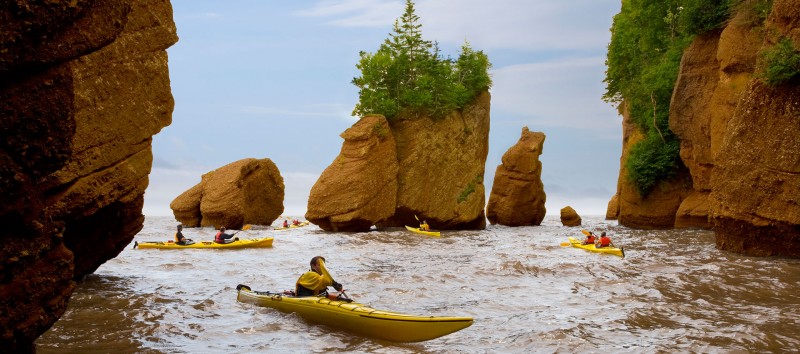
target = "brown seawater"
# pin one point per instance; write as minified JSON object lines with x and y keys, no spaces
{"x":673,"y":292}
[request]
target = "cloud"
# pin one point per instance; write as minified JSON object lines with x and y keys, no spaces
{"x":563,"y":93}
{"x":356,"y":13}
{"x":530,"y":25}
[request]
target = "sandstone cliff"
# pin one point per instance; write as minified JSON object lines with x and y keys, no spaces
{"x":518,"y":197}
{"x":739,"y":139}
{"x":83,"y":88}
{"x":439,"y":174}
{"x":359,"y":188}
{"x":248,"y":191}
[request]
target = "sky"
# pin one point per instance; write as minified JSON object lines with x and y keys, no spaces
{"x":272,"y":79}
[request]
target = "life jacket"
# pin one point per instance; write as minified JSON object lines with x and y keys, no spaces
{"x":591,"y":239}
{"x":605,"y":241}
{"x":217,"y":238}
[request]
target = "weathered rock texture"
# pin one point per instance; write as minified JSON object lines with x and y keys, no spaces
{"x":659,"y":208}
{"x":740,"y":139}
{"x":518,"y":197}
{"x":84,"y":86}
{"x":440,"y":167}
{"x":569,"y":217}
{"x":248,"y":191}
{"x":360,"y":187}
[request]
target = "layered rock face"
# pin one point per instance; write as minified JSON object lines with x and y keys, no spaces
{"x":570,"y":217}
{"x":739,"y":139}
{"x":658,"y":210}
{"x":438,"y":178}
{"x":360,"y":187}
{"x":83,"y":88}
{"x":755,"y":185}
{"x":518,"y":197}
{"x":248,"y":191}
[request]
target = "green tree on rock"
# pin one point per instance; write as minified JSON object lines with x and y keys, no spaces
{"x":409,"y":75}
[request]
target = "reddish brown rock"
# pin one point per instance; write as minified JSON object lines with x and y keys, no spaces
{"x":248,"y":191}
{"x":518,"y":197}
{"x":359,"y":189}
{"x":442,"y":165}
{"x":658,"y":209}
{"x":612,"y":211}
{"x":83,"y":88}
{"x":569,"y":217}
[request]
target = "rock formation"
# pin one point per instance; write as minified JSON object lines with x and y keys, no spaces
{"x":569,"y":217}
{"x":83,"y":88}
{"x":659,"y":208}
{"x":440,"y":166}
{"x":518,"y":197}
{"x":248,"y":191}
{"x":739,"y":138}
{"x":359,"y":188}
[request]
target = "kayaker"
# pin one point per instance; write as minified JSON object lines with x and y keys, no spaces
{"x":286,"y":223}
{"x":317,"y":280}
{"x":295,"y":222}
{"x":424,"y":226}
{"x":180,"y":239}
{"x":222,"y":237}
{"x":604,"y":241}
{"x":590,"y":239}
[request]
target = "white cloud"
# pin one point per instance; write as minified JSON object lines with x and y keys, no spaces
{"x":563,"y":93}
{"x":356,"y":13}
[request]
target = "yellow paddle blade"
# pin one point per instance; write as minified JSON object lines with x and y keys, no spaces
{"x":585,"y":232}
{"x":565,"y":244}
{"x":415,"y":217}
{"x":246,"y":227}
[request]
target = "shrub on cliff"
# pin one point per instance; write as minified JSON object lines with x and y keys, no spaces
{"x":647,"y":42}
{"x":781,"y":63}
{"x":409,"y":74}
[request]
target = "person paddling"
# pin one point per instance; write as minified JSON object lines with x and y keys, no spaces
{"x":424,"y":226}
{"x":590,"y":239}
{"x":317,"y":280}
{"x":222,"y":237}
{"x":604,"y":241}
{"x":180,"y":239}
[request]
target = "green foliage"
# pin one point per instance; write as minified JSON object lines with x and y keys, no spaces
{"x":470,"y":188}
{"x":652,"y":160}
{"x":647,"y":41}
{"x":781,"y":63}
{"x":408,"y":74}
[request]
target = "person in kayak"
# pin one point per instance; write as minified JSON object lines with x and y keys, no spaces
{"x":180,"y":239}
{"x":590,"y":239}
{"x":286,"y":223}
{"x":295,"y":222}
{"x":317,"y":280}
{"x":222,"y":237}
{"x":424,"y":226}
{"x":604,"y":241}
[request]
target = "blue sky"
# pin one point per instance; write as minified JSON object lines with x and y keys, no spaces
{"x":271,"y":79}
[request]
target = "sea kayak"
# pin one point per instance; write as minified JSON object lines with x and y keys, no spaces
{"x":241,"y":243}
{"x":592,"y":248}
{"x":420,"y":231}
{"x":357,"y":318}
{"x":293,"y":226}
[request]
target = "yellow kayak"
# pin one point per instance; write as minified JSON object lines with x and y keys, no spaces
{"x":241,"y":243}
{"x":357,"y":318}
{"x":304,"y":223}
{"x":420,"y":231}
{"x":592,"y":248}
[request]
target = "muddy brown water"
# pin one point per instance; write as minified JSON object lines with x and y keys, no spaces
{"x":673,"y":292}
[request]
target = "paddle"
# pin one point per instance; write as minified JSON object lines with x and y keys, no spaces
{"x":244,"y":228}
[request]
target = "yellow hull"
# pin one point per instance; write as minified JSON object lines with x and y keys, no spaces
{"x":419,"y":231}
{"x":358,"y":318}
{"x":304,"y":223}
{"x":242,"y":243}
{"x":592,"y":248}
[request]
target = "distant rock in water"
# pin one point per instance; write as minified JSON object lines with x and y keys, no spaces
{"x":84,"y":86}
{"x":518,"y":197}
{"x":569,"y":217}
{"x":360,"y":187}
{"x":248,"y":191}
{"x":439,"y":177}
